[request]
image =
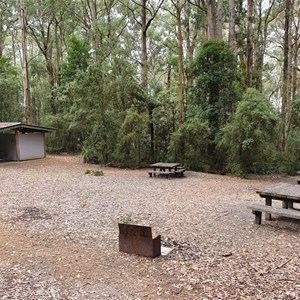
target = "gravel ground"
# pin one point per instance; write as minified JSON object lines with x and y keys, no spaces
{"x":59,"y":235}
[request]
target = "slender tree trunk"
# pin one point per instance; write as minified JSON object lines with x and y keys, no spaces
{"x":180,"y":62}
{"x":249,"y":49}
{"x":13,"y":46}
{"x":144,"y":55}
{"x":1,"y":37}
{"x":295,"y":48}
{"x":59,"y":49}
{"x":232,"y":35}
{"x":286,"y":80}
{"x":219,"y":20}
{"x":26,"y":85}
{"x":211,"y":20}
{"x":144,"y":72}
{"x":94,"y":16}
{"x":259,"y":49}
{"x":189,"y":45}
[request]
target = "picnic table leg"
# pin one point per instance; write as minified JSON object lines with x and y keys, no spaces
{"x":257,"y":219}
{"x":269,"y":203}
{"x":287,"y":204}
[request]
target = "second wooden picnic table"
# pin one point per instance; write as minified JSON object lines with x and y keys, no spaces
{"x":162,"y":168}
{"x":285,"y":192}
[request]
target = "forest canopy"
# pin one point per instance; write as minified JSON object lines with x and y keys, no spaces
{"x":212,"y":84}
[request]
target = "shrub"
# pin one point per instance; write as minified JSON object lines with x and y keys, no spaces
{"x":249,"y":138}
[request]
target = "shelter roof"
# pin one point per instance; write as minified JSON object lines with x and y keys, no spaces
{"x":23,"y":127}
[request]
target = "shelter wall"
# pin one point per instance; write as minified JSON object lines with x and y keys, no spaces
{"x":31,"y":145}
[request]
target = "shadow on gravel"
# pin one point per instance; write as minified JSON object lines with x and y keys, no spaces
{"x":34,"y":213}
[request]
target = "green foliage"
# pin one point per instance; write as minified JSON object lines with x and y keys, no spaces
{"x":77,"y":58}
{"x":100,"y":142}
{"x":249,"y":138}
{"x":92,"y":106}
{"x":165,"y":120}
{"x":289,"y":161}
{"x":132,"y":139}
{"x":10,"y":96}
{"x":214,"y":90}
{"x":65,"y":138}
{"x":189,"y":145}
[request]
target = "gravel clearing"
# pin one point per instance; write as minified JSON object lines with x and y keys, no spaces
{"x":59,"y":235}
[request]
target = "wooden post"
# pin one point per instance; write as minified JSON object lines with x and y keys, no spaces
{"x":17,"y":140}
{"x":269,"y":203}
{"x":257,"y":219}
{"x":44,"y":142}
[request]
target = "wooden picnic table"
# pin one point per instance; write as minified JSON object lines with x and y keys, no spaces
{"x":162,"y":168}
{"x":285,"y":192}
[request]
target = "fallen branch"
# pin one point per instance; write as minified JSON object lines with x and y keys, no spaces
{"x":280,"y":266}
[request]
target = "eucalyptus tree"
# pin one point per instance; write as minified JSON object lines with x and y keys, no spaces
{"x":286,"y":78}
{"x":231,"y":25}
{"x":215,"y":19}
{"x":3,"y":19}
{"x":148,"y":10}
{"x":179,"y":5}
{"x":29,"y":116}
{"x":249,"y":43}
{"x":263,"y":16}
{"x":45,"y":20}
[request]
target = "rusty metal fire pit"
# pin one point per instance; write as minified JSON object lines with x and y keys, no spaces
{"x":138,"y":240}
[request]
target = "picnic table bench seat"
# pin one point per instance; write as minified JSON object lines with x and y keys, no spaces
{"x":157,"y":172}
{"x":257,"y":209}
{"x":180,"y":171}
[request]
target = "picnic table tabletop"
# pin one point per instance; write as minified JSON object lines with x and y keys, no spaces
{"x":164,"y":165}
{"x":283,"y":191}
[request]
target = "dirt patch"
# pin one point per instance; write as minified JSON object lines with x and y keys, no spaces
{"x":59,"y":235}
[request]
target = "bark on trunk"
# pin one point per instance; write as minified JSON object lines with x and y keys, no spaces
{"x":144,"y":56}
{"x":1,"y":37}
{"x":26,"y":84}
{"x":232,"y":35}
{"x":286,"y":80}
{"x":93,"y":7}
{"x":219,"y":20}
{"x":211,"y":20}
{"x":249,"y":50}
{"x":180,"y":62}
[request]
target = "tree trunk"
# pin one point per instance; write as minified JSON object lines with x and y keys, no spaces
{"x":286,"y":80}
{"x":179,"y":7}
{"x":94,"y":16}
{"x":263,"y":20}
{"x":232,"y":35}
{"x":295,"y":48}
{"x":1,"y":37}
{"x":26,"y":84}
{"x":249,"y":49}
{"x":191,"y":37}
{"x":219,"y":20}
{"x":211,"y":20}
{"x":144,"y":56}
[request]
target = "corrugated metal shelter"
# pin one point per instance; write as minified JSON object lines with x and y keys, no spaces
{"x":21,"y":141}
